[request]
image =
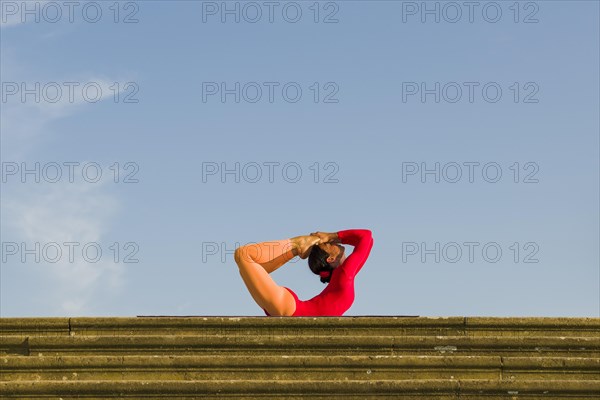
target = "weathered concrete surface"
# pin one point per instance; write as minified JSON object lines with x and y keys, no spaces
{"x":286,"y":367}
{"x":298,"y":343}
{"x":512,"y":326}
{"x":299,"y":357}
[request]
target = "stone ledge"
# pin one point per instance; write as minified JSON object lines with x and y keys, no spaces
{"x":282,"y":361}
{"x":425,"y":386}
{"x":297,"y":357}
{"x":357,"y":367}
{"x":357,"y":325}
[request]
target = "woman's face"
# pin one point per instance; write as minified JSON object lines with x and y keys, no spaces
{"x":335,"y":251}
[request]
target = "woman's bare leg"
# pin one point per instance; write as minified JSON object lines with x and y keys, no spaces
{"x":255,"y":262}
{"x":271,"y":255}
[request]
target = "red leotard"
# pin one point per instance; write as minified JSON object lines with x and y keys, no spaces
{"x":338,"y":296}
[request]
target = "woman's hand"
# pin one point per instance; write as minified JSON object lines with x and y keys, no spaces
{"x":304,"y":245}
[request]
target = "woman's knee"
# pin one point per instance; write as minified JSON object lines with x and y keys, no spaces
{"x":237,"y":255}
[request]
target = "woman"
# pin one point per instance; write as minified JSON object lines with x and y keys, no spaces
{"x":326,"y":258}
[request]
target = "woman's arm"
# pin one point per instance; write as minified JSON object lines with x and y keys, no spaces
{"x":362,"y":240}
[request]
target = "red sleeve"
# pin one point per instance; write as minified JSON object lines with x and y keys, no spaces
{"x":362,"y":240}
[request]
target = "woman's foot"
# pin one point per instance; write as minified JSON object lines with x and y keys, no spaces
{"x":303,"y":245}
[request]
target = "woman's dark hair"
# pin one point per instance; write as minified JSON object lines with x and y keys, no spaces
{"x":317,"y":261}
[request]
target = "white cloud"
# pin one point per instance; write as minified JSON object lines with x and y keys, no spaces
{"x":66,"y":212}
{"x":55,"y":212}
{"x":25,"y":122}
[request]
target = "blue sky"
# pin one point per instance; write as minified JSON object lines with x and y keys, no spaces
{"x":181,"y":221}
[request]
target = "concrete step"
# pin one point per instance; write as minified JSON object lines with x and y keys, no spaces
{"x":353,"y":389}
{"x":300,"y":344}
{"x":300,"y":357}
{"x":354,"y":367}
{"x":321,"y":326}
